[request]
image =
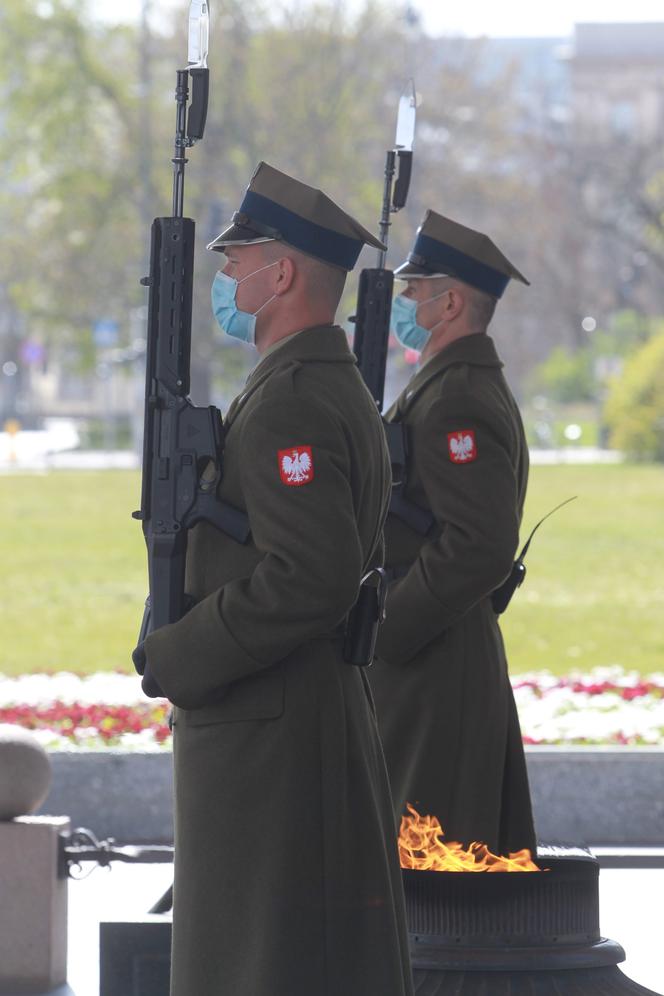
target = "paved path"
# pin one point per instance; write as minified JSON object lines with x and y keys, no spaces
{"x":124,"y":891}
{"x":41,"y":462}
{"x":575,"y":454}
{"x":630,"y":901}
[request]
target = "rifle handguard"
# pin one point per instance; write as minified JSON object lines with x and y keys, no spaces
{"x":372,"y":328}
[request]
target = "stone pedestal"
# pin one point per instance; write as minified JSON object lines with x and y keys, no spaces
{"x":33,"y":905}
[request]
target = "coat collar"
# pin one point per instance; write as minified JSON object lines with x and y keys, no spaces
{"x":319,"y":344}
{"x":474,"y":350}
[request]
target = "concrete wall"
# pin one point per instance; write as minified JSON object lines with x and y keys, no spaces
{"x":114,"y":793}
{"x":598,"y":795}
{"x":591,"y":795}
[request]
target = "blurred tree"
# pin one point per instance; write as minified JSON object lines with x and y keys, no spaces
{"x":565,"y":376}
{"x":313,"y":93}
{"x":634,"y":408}
{"x":623,"y":193}
{"x":311,"y":88}
{"x":68,"y":203}
{"x":583,"y":374}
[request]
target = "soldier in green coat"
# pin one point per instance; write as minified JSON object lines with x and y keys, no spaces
{"x":286,"y":871}
{"x":445,"y":706}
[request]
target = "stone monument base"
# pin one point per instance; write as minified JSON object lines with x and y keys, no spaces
{"x":33,"y":911}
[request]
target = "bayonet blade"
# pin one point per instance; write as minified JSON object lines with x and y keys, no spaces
{"x":406,"y":118}
{"x":199,"y":28}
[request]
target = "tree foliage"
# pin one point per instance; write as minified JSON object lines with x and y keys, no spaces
{"x":565,"y":376}
{"x":87,"y":121}
{"x":68,"y":203}
{"x":635,"y":406}
{"x":581,"y":374}
{"x":315,"y":93}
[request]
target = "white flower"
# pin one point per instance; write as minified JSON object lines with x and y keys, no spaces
{"x":102,"y":688}
{"x":593,"y":707}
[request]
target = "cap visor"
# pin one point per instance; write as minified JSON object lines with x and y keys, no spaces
{"x":237,"y":235}
{"x":410,"y":271}
{"x":375,"y":243}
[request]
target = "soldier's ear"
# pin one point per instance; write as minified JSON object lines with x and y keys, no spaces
{"x":285,"y":275}
{"x":456,"y":303}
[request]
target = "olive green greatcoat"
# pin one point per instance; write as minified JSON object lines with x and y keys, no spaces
{"x":444,"y":702}
{"x":286,"y":872}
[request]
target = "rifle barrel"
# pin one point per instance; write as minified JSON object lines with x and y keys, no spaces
{"x":179,"y":159}
{"x":390,"y":166}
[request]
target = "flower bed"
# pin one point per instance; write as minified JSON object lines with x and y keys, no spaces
{"x":605,"y":706}
{"x":66,"y":711}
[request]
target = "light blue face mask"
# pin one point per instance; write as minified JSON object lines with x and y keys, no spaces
{"x":403,"y":322}
{"x":238,"y":324}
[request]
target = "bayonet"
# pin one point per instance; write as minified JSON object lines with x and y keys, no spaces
{"x":374,"y":302}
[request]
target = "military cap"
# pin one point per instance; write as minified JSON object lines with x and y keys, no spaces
{"x":445,"y":248}
{"x":276,"y":206}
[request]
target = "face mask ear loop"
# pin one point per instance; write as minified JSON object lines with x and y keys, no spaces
{"x":428,"y":301}
{"x":264,"y":305}
{"x":259,"y":270}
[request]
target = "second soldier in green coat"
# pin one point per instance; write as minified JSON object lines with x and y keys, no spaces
{"x":443,"y":697}
{"x":286,"y":872}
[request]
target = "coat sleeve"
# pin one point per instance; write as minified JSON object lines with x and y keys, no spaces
{"x":310,"y":568}
{"x":473,"y":494}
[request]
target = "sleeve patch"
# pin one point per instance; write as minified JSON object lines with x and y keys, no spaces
{"x":461,"y":446}
{"x":296,"y":466}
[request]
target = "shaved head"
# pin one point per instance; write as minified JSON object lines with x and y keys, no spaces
{"x":480,"y":304}
{"x":323,"y":281}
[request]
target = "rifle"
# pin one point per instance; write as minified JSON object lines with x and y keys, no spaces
{"x":374,"y":303}
{"x":182,"y":444}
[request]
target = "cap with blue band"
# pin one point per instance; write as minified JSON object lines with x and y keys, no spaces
{"x":276,"y":206}
{"x":446,"y":248}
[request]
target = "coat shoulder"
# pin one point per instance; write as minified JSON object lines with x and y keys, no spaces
{"x":328,"y":391}
{"x":472,"y":395}
{"x":461,"y":386}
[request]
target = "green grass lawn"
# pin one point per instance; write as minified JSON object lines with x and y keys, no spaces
{"x":74,"y":573}
{"x":594,"y":593}
{"x":74,"y":568}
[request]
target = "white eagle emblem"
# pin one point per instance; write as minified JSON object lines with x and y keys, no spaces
{"x":296,"y":465}
{"x":462,"y":446}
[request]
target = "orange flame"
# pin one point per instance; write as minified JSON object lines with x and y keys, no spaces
{"x":421,"y":847}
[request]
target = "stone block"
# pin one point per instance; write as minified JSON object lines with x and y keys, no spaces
{"x":33,"y":909}
{"x":25,"y":772}
{"x":604,"y":796}
{"x":598,"y":795}
{"x":122,"y":794}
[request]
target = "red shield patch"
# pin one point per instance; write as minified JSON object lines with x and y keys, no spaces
{"x":461,"y":446}
{"x":296,"y":466}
